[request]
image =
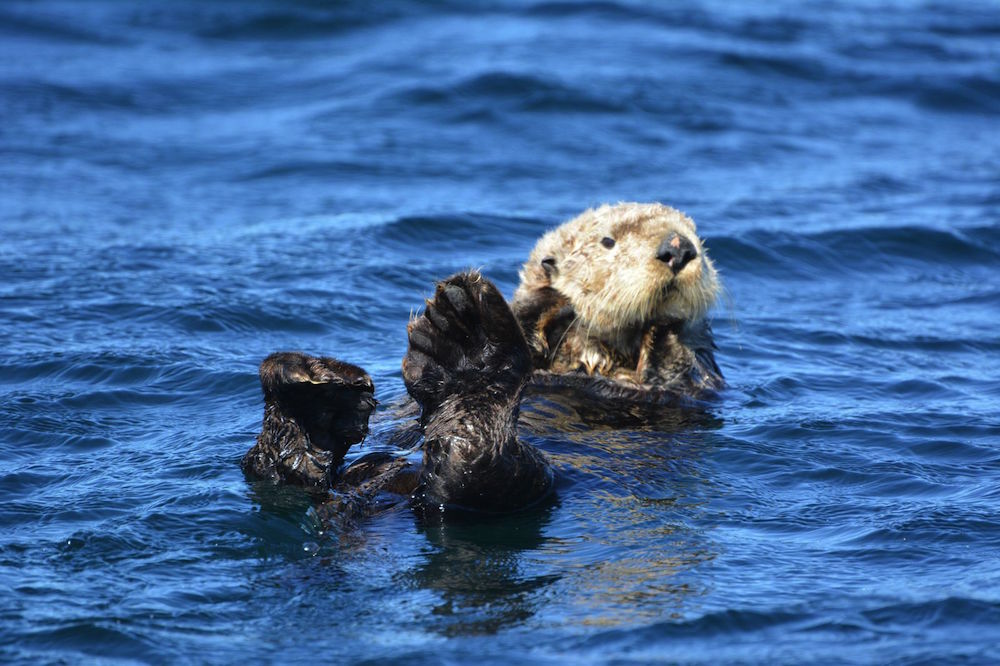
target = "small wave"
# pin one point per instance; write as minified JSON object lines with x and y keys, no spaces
{"x":666,"y":15}
{"x":97,"y":639}
{"x":522,"y":92}
{"x":290,"y":25}
{"x":604,"y":9}
{"x":911,"y":242}
{"x":792,"y":66}
{"x":474,"y":227}
{"x":254,"y":317}
{"x":91,"y":368}
{"x":319,"y":169}
{"x":967,"y":94}
{"x":803,"y":255}
{"x":449,"y":243}
{"x":720,"y":623}
{"x":974,"y":20}
{"x":216,"y":315}
{"x":130,"y":98}
{"x":753,"y":635}
{"x":947,"y":612}
{"x":45,"y":97}
{"x":930,"y":81}
{"x":302,"y":21}
{"x":51,"y":29}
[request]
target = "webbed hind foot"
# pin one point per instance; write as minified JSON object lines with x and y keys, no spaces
{"x":315,"y":408}
{"x":467,"y":341}
{"x":467,"y":365}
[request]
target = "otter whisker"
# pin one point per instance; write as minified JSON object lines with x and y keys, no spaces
{"x":562,"y":337}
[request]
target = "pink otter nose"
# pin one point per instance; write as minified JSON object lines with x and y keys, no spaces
{"x":676,"y":251}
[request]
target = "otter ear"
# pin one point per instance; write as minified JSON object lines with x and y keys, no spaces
{"x":549,"y":264}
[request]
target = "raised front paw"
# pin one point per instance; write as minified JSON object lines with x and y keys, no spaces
{"x":465,"y":342}
{"x":679,"y":358}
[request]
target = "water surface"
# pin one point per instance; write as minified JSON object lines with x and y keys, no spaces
{"x":187,"y":187}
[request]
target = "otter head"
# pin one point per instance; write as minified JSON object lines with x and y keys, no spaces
{"x":625,"y":266}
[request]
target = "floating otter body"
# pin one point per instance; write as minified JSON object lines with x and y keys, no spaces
{"x":614,"y":302}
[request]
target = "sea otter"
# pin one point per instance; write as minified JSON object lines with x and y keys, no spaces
{"x":614,"y":302}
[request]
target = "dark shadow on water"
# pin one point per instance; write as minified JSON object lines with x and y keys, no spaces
{"x":287,"y":524}
{"x":472,"y":566}
{"x":278,"y":501}
{"x":548,"y":409}
{"x":476,"y":570}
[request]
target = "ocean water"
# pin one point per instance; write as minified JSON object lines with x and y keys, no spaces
{"x":187,"y":186}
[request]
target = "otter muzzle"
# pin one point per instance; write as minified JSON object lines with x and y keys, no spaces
{"x":676,"y":251}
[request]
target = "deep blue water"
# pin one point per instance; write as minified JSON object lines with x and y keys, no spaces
{"x":186,"y":187}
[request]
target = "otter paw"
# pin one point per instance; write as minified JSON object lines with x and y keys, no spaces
{"x":664,"y":361}
{"x":465,"y":342}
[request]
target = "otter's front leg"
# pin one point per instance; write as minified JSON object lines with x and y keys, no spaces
{"x":467,"y":365}
{"x":314,"y":410}
{"x":669,"y":360}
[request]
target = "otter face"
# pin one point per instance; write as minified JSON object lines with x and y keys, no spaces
{"x":625,"y":266}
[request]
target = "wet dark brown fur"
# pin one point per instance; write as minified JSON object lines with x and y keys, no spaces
{"x":314,"y":410}
{"x":466,"y":366}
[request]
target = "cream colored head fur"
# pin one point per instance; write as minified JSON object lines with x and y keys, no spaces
{"x":615,"y":290}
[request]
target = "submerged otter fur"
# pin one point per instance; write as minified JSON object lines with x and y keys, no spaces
{"x":622,"y":293}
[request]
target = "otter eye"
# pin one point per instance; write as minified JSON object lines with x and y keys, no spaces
{"x":608,"y":242}
{"x":549,"y":264}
